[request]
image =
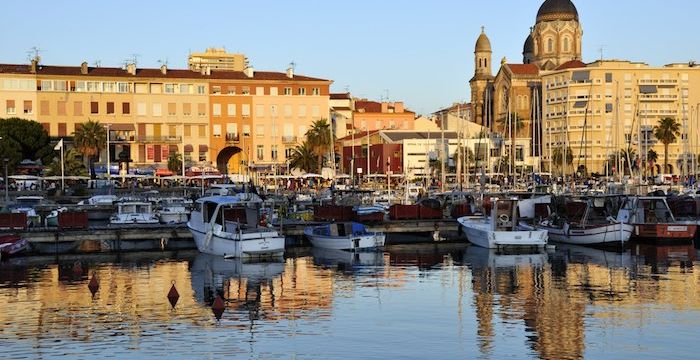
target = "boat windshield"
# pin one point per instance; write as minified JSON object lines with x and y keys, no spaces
{"x":654,"y":211}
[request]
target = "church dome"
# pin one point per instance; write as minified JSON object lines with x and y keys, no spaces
{"x":552,"y":10}
{"x":483,"y":44}
{"x":529,"y":46}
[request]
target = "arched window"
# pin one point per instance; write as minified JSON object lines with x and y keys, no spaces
{"x":566,"y":44}
{"x":550,"y":45}
{"x":480,"y":62}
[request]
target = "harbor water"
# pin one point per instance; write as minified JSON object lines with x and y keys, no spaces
{"x":431,"y":301}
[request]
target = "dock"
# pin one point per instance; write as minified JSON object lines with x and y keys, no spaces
{"x":126,"y":238}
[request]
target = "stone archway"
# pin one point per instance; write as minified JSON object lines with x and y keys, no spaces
{"x":229,"y":160}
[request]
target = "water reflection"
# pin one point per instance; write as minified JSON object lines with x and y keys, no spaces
{"x":571,"y":303}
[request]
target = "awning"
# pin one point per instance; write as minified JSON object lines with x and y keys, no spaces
{"x":122,"y":127}
{"x":581,"y":76}
{"x":580,"y":104}
{"x":203,"y":148}
{"x":189,"y":148}
{"x":647,"y":89}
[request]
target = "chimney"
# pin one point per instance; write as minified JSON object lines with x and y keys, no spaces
{"x":163,"y":69}
{"x":385,"y":107}
{"x":84,"y":68}
{"x":249,"y":72}
{"x":290,"y":72}
{"x":34,"y":65}
{"x":131,"y":69}
{"x":398,"y":107}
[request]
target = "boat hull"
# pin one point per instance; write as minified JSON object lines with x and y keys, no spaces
{"x":12,"y":245}
{"x":479,"y":234}
{"x":358,"y":242}
{"x":602,"y":235}
{"x":664,"y":232}
{"x":173,"y":218}
{"x":239,"y":245}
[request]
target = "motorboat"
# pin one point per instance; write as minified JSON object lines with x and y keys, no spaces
{"x":26,"y":205}
{"x":588,"y":221}
{"x":652,"y":220}
{"x":229,"y":226}
{"x":500,"y":228}
{"x":344,"y":236}
{"x":98,"y":207}
{"x":12,"y":244}
{"x":174,"y":210}
{"x":51,"y":220}
{"x":134,"y":212}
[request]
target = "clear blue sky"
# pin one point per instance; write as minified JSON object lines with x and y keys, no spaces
{"x":419,"y":51}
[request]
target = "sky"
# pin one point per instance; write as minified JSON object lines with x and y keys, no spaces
{"x":419,"y":52}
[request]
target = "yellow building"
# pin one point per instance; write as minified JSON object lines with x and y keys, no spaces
{"x":620,"y":102}
{"x":217,"y":59}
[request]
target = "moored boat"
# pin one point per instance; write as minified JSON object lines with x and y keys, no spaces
{"x":344,"y":236}
{"x":174,"y":211}
{"x":653,"y":220}
{"x":134,"y":212}
{"x":229,"y":226}
{"x":500,"y":228}
{"x":98,"y":207}
{"x":12,"y":244}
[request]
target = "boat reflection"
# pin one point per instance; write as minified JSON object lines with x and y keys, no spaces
{"x":237,"y":281}
{"x":479,"y":257}
{"x":347,"y":261}
{"x":662,"y":258}
{"x":424,"y":256}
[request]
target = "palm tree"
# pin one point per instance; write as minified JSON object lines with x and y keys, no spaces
{"x":558,"y":155}
{"x":666,"y":132}
{"x":90,"y":139}
{"x":175,"y":162}
{"x":303,"y":158}
{"x":319,"y":138}
{"x":652,"y":158}
{"x":72,"y":164}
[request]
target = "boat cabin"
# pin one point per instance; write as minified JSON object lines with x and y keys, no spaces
{"x":648,"y":210}
{"x":135,"y":208}
{"x":232,"y":217}
{"x":505,"y":214}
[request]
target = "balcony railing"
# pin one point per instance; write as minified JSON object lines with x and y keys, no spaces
{"x":233,"y":138}
{"x":289,"y":139}
{"x":153,"y":139}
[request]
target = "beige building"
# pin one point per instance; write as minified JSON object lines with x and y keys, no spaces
{"x":619,"y":103}
{"x":217,"y":59}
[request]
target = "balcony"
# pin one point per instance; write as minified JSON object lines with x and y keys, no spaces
{"x":289,"y":139}
{"x":658,"y":81}
{"x":233,"y":138}
{"x":658,"y":97}
{"x":158,"y":139}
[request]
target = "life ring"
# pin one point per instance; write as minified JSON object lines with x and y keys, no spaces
{"x":504,"y":218}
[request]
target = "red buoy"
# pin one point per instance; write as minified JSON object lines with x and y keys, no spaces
{"x":173,"y":295}
{"x":218,"y":307}
{"x":93,"y":285}
{"x":77,"y":268}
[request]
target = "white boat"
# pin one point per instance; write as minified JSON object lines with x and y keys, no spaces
{"x":134,"y":212}
{"x":344,"y":236}
{"x":588,"y":221}
{"x":174,"y":210}
{"x":51,"y":220}
{"x":229,"y":226}
{"x":500,"y":229}
{"x":26,"y":204}
{"x":98,"y":207}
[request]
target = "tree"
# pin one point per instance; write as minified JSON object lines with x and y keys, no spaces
{"x":73,"y":164}
{"x":666,"y":132}
{"x":652,"y":158}
{"x":558,"y":155}
{"x":175,"y":163}
{"x":467,"y":157}
{"x":319,"y":139}
{"x":90,"y":139}
{"x":24,"y":139}
{"x":304,"y":158}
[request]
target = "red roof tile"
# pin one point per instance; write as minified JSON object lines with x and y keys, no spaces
{"x":573,"y":64}
{"x":368,"y":106}
{"x":524,"y":69}
{"x":150,"y":73}
{"x":340,"y":96}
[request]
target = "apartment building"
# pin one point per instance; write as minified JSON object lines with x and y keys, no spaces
{"x":372,"y":115}
{"x":217,"y":59}
{"x":604,"y":107}
{"x":209,"y":116}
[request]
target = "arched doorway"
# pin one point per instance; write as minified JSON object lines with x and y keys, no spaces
{"x":230,"y":160}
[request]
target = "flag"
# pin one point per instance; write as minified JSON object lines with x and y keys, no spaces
{"x":59,"y":146}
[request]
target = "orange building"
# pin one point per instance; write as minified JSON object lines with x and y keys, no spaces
{"x":372,"y":115}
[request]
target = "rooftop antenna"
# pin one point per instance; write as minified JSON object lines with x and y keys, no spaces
{"x":163,"y":62}
{"x":97,"y":63}
{"x":601,"y":50}
{"x":347,"y":89}
{"x":34,"y":54}
{"x":293,"y":65}
{"x":386,"y":92}
{"x":134,"y":58}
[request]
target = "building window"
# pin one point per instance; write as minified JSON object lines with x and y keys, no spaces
{"x":122,"y":87}
{"x":10,"y":107}
{"x":216,"y":130}
{"x":608,"y":77}
{"x":246,"y":130}
{"x":273,"y":152}
{"x":274,"y":91}
{"x":550,"y":45}
{"x":141,"y":109}
{"x":315,"y":111}
{"x":231,"y":109}
{"x":259,"y":110}
{"x":169,"y":88}
{"x":172,"y":109}
{"x":61,"y":108}
{"x":261,"y":152}
{"x":202,"y":156}
{"x":260,"y":131}
{"x":260,"y":91}
{"x":108,"y":87}
{"x":216,"y":109}
{"x":288,"y":111}
{"x":187,"y":109}
{"x":302,"y":110}
{"x":316,"y":91}
{"x":216,"y":90}
{"x":201,"y":89}
{"x":202,"y":109}
{"x":288,"y":152}
{"x":126,"y":108}
{"x":566,"y":44}
{"x":184,"y":89}
{"x":245,"y":110}
{"x":231,"y":90}
{"x":288,"y":91}
{"x":110,"y":108}
{"x":245,"y":90}
{"x":202,"y":131}
{"x":77,"y":108}
{"x":301,"y":91}
{"x":157,"y":109}
{"x":94,"y":107}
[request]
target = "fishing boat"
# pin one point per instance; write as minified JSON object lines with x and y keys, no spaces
{"x":344,"y":236}
{"x":134,"y":212}
{"x":12,"y":244}
{"x":653,"y":220}
{"x":51,"y":220}
{"x":174,"y":210}
{"x":500,"y":228}
{"x":98,"y":207}
{"x":229,"y":226}
{"x":588,"y":221}
{"x":26,"y":205}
